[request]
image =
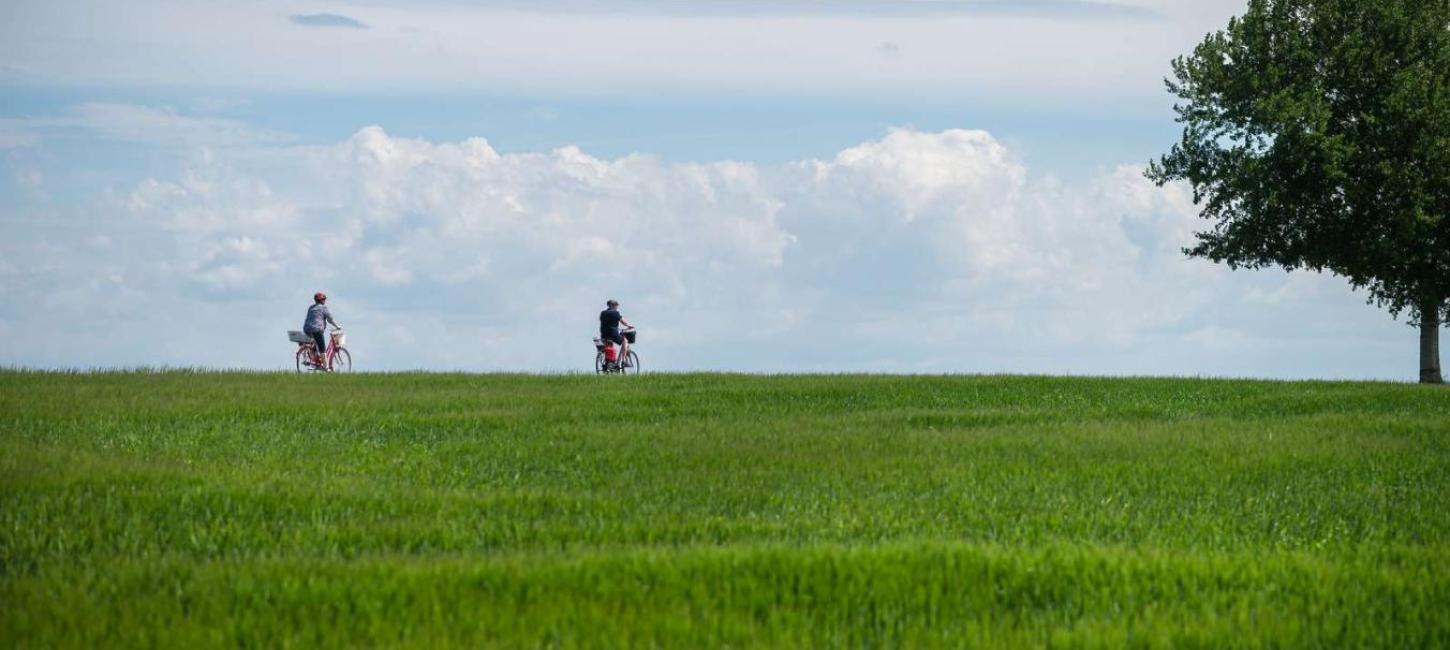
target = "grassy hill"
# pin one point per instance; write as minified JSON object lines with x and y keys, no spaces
{"x":274,"y":510}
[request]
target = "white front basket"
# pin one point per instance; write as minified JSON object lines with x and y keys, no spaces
{"x":338,"y":338}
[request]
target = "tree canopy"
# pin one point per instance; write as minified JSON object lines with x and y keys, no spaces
{"x":1316,"y":135}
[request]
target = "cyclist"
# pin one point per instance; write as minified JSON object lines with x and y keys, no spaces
{"x":316,"y":326}
{"x":609,"y":321}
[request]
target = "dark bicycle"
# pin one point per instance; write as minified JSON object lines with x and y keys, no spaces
{"x":629,"y":365}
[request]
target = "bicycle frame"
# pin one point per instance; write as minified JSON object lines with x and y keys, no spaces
{"x":621,"y":365}
{"x":308,"y":352}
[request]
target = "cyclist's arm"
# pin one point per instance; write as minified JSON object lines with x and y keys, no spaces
{"x":625,"y":322}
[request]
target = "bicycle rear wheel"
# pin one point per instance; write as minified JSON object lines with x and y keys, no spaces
{"x":342,"y":360}
{"x":301,"y":357}
{"x":599,"y":363}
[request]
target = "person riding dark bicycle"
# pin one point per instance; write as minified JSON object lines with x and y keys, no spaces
{"x":609,"y":321}
{"x":316,"y":326}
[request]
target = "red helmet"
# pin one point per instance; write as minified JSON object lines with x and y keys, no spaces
{"x":319,"y":297}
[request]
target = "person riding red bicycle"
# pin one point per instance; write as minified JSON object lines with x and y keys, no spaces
{"x":609,"y":321}
{"x":318,"y":317}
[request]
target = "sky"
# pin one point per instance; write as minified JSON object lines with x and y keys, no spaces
{"x":921,"y":186}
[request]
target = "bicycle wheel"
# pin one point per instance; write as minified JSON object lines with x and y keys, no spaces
{"x":342,"y":360}
{"x":599,"y":363}
{"x":631,"y":366}
{"x":301,"y":356}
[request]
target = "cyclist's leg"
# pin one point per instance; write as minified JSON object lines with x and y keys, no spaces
{"x":320,"y":340}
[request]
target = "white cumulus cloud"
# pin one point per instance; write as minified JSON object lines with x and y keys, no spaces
{"x":918,"y":251}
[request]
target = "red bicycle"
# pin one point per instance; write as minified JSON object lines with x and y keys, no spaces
{"x":338,"y":359}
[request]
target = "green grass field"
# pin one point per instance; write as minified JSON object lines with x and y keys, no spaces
{"x":275,"y":510}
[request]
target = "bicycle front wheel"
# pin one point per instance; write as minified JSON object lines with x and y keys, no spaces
{"x":342,"y":361}
{"x":631,"y":366}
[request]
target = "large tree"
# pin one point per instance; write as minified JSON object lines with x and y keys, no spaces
{"x":1316,"y":135}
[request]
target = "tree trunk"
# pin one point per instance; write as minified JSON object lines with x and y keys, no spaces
{"x":1430,"y":344}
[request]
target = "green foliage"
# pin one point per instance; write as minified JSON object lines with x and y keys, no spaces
{"x":418,"y":510}
{"x":1317,"y":135}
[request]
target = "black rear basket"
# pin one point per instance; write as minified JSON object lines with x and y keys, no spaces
{"x":629,"y":336}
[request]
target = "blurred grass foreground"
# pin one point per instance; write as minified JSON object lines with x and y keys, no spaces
{"x":186,"y":509}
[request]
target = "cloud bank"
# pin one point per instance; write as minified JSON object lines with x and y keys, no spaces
{"x":1081,"y":54}
{"x":917,"y":251}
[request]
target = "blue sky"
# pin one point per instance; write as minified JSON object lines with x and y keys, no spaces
{"x":906,"y":186}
